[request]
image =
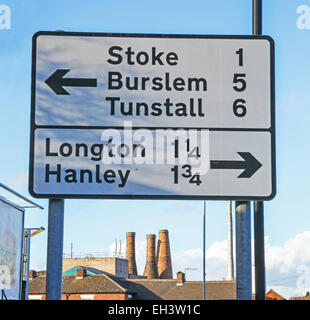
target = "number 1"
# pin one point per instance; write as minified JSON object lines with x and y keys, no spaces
{"x":240,"y":53}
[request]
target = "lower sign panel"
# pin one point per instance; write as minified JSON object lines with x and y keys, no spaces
{"x":148,"y":164}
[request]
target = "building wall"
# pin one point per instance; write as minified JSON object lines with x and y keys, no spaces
{"x":115,"y":266}
{"x":83,"y":296}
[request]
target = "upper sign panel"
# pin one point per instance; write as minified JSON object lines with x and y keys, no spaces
{"x":100,"y":80}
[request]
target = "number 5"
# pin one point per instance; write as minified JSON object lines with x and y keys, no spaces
{"x":238,"y":78}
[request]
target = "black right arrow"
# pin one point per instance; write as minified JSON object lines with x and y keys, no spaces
{"x":57,"y":81}
{"x":250,"y":164}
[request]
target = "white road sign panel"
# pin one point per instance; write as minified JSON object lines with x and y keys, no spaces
{"x":72,"y":162}
{"x":152,"y":116}
{"x":153,"y":82}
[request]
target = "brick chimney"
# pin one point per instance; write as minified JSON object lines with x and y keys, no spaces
{"x":180,"y":278}
{"x":80,"y":273}
{"x":32,"y":274}
{"x":164,"y":265}
{"x":131,"y":253}
{"x":150,"y":270}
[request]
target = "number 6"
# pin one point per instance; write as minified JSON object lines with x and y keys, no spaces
{"x":239,"y":108}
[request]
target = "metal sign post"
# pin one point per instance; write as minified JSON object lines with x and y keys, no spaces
{"x":257,"y":13}
{"x":259,"y":238}
{"x":54,"y":249}
{"x":243,"y":250}
{"x":259,"y":251}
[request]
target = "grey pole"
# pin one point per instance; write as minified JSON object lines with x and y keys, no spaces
{"x":259,"y":251}
{"x":55,"y":249}
{"x":243,"y":250}
{"x":257,"y":13}
{"x":204,"y":251}
{"x":259,"y":246}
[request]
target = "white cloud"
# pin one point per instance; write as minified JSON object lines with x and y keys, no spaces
{"x":19,"y":182}
{"x":37,"y":266}
{"x":294,"y":252}
{"x":193,"y":259}
{"x":287,"y":266}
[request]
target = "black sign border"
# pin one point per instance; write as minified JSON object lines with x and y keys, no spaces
{"x":33,"y":126}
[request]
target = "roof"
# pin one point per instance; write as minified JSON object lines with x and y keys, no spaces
{"x":98,"y":283}
{"x":142,"y":289}
{"x":300,"y":298}
{"x":89,"y":271}
{"x":272,"y":295}
{"x":159,"y":289}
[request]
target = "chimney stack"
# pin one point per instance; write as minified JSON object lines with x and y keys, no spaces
{"x":32,"y":274}
{"x":131,"y":253}
{"x":180,"y":278}
{"x":164,"y":265}
{"x":80,"y":273}
{"x":150,"y":270}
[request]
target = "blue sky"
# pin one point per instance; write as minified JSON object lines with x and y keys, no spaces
{"x":94,"y":225}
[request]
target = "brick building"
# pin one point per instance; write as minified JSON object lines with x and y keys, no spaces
{"x":93,"y":284}
{"x":272,"y":295}
{"x":115,"y":278}
{"x":306,"y":297}
{"x":113,"y":265}
{"x":85,"y":284}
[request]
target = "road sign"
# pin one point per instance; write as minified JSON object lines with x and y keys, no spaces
{"x":152,"y":116}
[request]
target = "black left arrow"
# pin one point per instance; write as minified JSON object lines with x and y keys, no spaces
{"x":250,"y":164}
{"x":57,"y":81}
